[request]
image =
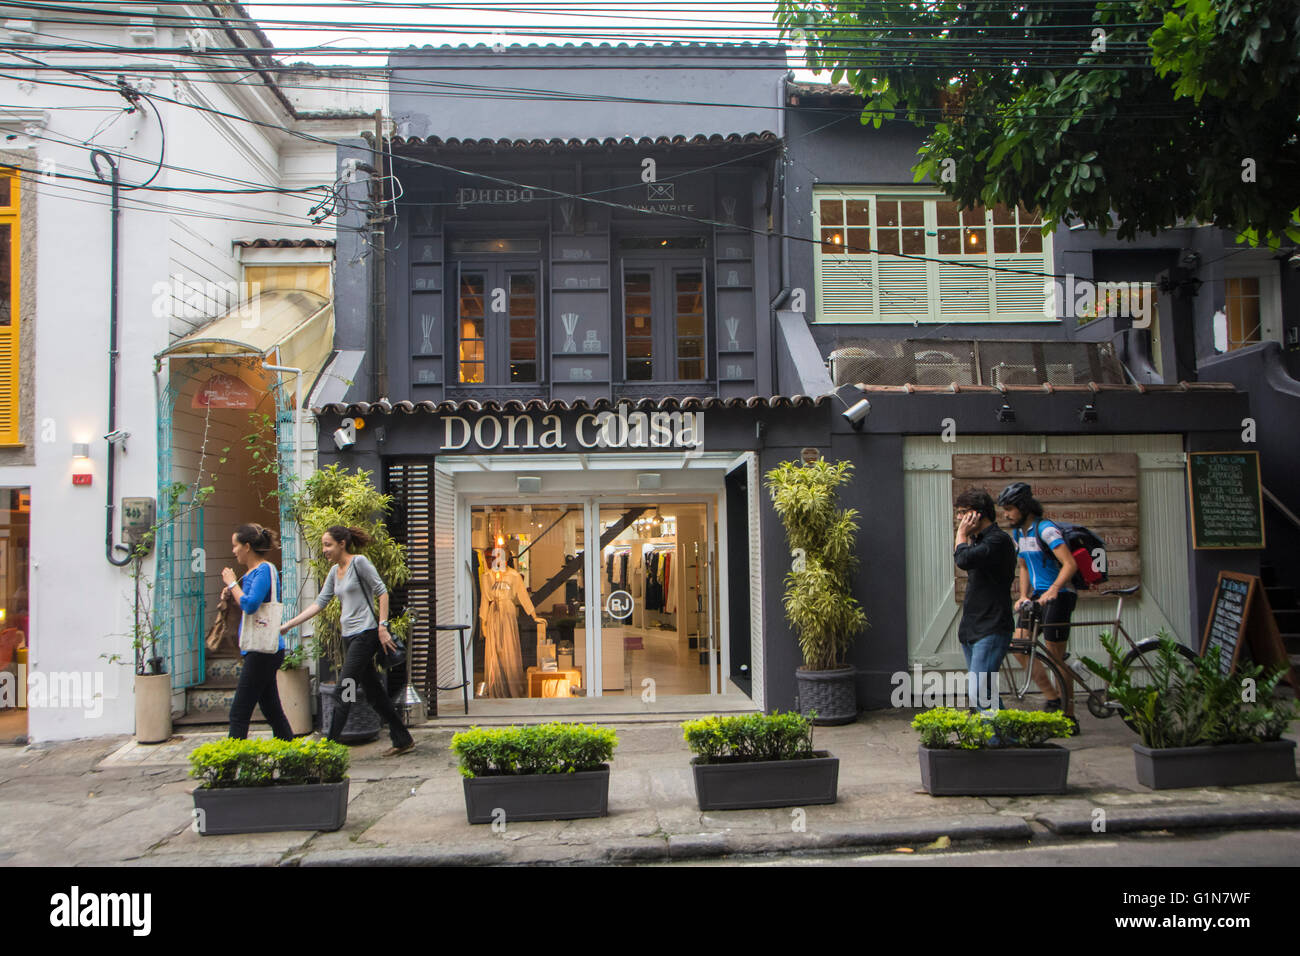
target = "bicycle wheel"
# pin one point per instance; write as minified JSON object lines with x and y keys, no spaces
{"x":1020,"y":690}
{"x":1139,"y":661}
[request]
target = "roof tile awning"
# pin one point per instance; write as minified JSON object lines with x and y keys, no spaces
{"x":764,"y":138}
{"x":295,"y":326}
{"x":685,"y":404}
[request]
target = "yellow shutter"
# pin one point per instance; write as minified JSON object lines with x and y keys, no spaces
{"x":9,"y":333}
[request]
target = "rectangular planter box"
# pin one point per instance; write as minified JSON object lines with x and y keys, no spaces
{"x":994,"y":771}
{"x":751,"y":785}
{"x":1223,"y":766}
{"x":313,"y":806}
{"x":540,"y":796}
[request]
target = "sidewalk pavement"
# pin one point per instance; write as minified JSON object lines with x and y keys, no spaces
{"x":110,"y":801}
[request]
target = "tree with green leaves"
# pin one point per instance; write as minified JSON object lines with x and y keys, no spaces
{"x":1156,"y":110}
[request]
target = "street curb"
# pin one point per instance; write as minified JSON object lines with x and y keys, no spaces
{"x":1073,"y":822}
{"x":699,"y":846}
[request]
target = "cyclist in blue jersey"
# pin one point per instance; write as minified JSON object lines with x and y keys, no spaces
{"x":1045,"y":568}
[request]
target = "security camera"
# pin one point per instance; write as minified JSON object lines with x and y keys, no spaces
{"x":1294,"y":261}
{"x":857,"y":414}
{"x":346,"y":436}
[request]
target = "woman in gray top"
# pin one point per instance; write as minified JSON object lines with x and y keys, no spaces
{"x":350,"y":578}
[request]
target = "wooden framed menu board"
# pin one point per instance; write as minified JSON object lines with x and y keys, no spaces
{"x":1227,"y":502}
{"x":1240,"y":616}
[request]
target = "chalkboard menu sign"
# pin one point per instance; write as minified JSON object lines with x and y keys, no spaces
{"x":1227,"y":504}
{"x":1240,"y":617}
{"x":1229,"y":615}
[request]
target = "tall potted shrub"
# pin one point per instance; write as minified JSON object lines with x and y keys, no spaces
{"x":818,"y":600}
{"x":335,"y":496}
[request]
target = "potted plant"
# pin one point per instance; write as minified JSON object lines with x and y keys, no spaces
{"x":748,"y":761}
{"x":540,"y":772}
{"x":818,"y":601}
{"x":1200,"y":727}
{"x":259,"y":786}
{"x":294,"y":684}
{"x":1007,"y":752}
{"x":334,"y":496}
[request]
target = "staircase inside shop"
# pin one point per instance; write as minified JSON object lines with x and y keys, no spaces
{"x":208,"y":704}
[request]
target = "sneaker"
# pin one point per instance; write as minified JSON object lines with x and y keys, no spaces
{"x":398,"y":751}
{"x":1051,"y":706}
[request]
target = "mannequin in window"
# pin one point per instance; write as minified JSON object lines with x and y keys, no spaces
{"x":501,"y":586}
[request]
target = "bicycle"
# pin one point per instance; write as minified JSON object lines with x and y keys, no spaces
{"x":1024,"y":656}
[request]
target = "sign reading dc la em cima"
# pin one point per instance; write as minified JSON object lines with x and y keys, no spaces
{"x":621,"y":430}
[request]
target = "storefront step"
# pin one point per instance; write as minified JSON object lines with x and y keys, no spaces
{"x":216,"y":717}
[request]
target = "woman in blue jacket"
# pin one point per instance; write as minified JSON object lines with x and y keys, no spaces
{"x":257,"y":685}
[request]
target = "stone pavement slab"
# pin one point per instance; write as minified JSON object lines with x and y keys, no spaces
{"x":111,"y":801}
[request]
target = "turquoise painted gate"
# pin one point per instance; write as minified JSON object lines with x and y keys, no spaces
{"x":179,"y":601}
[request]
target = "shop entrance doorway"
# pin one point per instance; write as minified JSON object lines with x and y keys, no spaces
{"x":594,"y":598}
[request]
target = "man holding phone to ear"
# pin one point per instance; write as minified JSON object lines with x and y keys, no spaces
{"x":988,"y":556}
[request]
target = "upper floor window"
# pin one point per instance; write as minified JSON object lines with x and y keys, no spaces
{"x":877,"y":252}
{"x":498,"y":322}
{"x":663,"y":321}
{"x":1252,"y":309}
{"x":10,"y":319}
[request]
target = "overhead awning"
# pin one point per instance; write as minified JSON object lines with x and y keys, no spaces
{"x":289,"y":327}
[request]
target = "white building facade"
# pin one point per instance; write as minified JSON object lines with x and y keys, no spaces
{"x":215,"y":201}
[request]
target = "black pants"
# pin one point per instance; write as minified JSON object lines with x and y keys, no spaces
{"x":257,"y":687}
{"x":1051,"y":616}
{"x":359,"y":671}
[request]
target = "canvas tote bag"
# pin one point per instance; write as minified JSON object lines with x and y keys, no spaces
{"x":261,"y":629}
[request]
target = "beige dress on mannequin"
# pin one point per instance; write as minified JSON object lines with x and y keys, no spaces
{"x":503,"y":665}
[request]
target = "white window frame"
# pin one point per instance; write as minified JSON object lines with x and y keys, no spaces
{"x":932,"y":313}
{"x":1243,"y":266}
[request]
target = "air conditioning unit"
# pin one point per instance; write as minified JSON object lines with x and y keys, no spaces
{"x":1005,"y":373}
{"x":943,"y":373}
{"x":1061,"y":373}
{"x":849,"y":366}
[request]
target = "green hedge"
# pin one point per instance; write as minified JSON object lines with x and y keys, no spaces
{"x":538,"y":748}
{"x":750,"y":737}
{"x":946,"y":729}
{"x":268,"y":763}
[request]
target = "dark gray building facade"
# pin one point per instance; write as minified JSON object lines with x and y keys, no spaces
{"x":620,"y":284}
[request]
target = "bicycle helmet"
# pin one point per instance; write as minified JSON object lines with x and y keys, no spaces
{"x":1015,"y":495}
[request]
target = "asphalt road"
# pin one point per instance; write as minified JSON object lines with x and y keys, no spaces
{"x":1253,"y":848}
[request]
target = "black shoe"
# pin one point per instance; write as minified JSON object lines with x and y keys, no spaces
{"x":1074,"y":726}
{"x":1051,"y":706}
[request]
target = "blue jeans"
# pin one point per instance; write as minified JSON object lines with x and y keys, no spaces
{"x":983,"y":661}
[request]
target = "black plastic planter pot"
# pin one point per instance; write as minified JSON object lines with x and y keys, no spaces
{"x":995,"y":770}
{"x":832,"y":694}
{"x":750,"y":785}
{"x":540,"y":796}
{"x":1222,"y":766}
{"x":313,"y":806}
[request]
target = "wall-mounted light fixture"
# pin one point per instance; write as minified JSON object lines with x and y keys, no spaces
{"x":1006,"y":414}
{"x":80,"y":449}
{"x":1088,"y":414}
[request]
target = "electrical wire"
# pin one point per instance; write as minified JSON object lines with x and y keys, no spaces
{"x":613,"y":205}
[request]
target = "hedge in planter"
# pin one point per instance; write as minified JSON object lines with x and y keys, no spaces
{"x":540,"y":772}
{"x":749,"y":761}
{"x":257,"y":786}
{"x":1006,"y":753}
{"x":1200,"y":727}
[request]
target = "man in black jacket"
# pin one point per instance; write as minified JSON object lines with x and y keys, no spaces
{"x":988,"y":556}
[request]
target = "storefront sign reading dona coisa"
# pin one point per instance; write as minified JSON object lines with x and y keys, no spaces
{"x":624,"y":429}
